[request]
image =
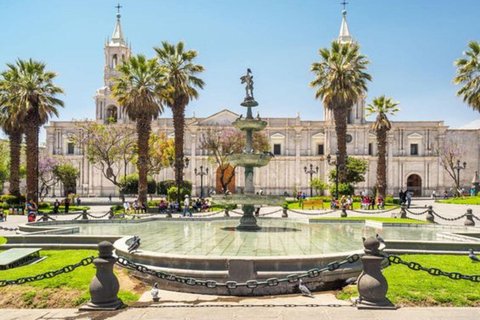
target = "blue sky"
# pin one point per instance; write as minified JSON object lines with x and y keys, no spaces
{"x":411,"y":43}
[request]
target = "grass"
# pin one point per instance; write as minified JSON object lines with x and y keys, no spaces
{"x":66,"y":290}
{"x":467,"y":200}
{"x":2,"y":240}
{"x":416,"y":288}
{"x":61,"y":209}
{"x":379,"y":219}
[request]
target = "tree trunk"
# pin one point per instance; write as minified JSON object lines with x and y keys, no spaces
{"x":340,"y":117}
{"x":15,"y":147}
{"x":382,"y":163}
{"x":32,"y":132}
{"x":144,"y":128}
{"x":178,"y":111}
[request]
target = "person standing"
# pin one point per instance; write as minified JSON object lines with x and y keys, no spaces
{"x":31,"y":210}
{"x":110,"y":198}
{"x":79,"y":201}
{"x":409,"y":198}
{"x":186,"y":205}
{"x":56,"y":206}
{"x":67,"y":204}
{"x":434,"y":196}
{"x":400,"y":197}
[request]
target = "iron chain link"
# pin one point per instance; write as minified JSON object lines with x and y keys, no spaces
{"x":416,"y":213}
{"x":449,"y":219}
{"x":8,"y":229}
{"x":98,"y":217}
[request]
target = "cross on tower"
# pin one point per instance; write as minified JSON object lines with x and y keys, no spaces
{"x":118,"y":6}
{"x":344,"y":3}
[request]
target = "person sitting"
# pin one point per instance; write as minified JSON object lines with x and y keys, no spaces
{"x":380,"y":203}
{"x":365,"y":203}
{"x":349,"y":202}
{"x":333,"y":203}
{"x":162,"y":206}
{"x":195,"y":207}
{"x":372,"y":203}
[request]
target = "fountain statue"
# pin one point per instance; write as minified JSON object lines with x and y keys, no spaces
{"x":249,"y":159}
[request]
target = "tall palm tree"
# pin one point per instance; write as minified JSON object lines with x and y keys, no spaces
{"x":180,"y":78}
{"x":340,"y":79}
{"x":382,"y":106}
{"x":138,"y":89}
{"x":12,"y":124}
{"x":468,"y":75}
{"x":36,"y":97}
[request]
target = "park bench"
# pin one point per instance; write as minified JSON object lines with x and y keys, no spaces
{"x":16,"y":257}
{"x":312,"y":204}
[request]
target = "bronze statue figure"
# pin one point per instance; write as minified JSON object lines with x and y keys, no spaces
{"x":248,"y":80}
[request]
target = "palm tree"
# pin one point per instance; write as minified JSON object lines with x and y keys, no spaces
{"x":181,"y":82}
{"x":138,"y":89}
{"x":468,"y":75}
{"x":36,"y":97}
{"x":12,"y":124}
{"x":382,"y":106}
{"x":340,"y":79}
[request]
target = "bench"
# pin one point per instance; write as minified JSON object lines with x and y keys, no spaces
{"x":16,"y":257}
{"x":312,"y":204}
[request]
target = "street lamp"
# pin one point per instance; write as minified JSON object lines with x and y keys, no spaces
{"x":458,"y":167}
{"x":311,"y":172}
{"x":201,"y":173}
{"x":337,"y":165}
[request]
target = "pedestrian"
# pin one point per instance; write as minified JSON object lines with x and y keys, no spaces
{"x":79,"y":201}
{"x":126,"y":207}
{"x":110,"y":198}
{"x":186,"y":205}
{"x":434,"y":196}
{"x":372,"y":202}
{"x":31,"y":210}
{"x":67,"y":204}
{"x":409,"y":198}
{"x":304,"y":195}
{"x":56,"y":206}
{"x":400,"y":197}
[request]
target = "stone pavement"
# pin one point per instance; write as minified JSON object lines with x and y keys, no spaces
{"x":246,"y":312}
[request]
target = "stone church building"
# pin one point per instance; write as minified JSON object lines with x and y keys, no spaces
{"x":412,"y":159}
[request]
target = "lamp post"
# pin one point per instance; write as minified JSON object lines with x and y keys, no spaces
{"x":337,"y":165}
{"x":458,"y":167}
{"x":201,"y":173}
{"x":311,"y":172}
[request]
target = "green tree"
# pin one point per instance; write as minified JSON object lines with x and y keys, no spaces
{"x":67,"y":173}
{"x":355,"y":171}
{"x":181,"y":81}
{"x":11,"y":122}
{"x":382,"y":106}
{"x":36,"y":98}
{"x":110,"y":148}
{"x":162,"y":151}
{"x":468,"y":75}
{"x":4,"y":164}
{"x":318,"y":185}
{"x":341,"y":81}
{"x":130,"y":184}
{"x":138,"y":89}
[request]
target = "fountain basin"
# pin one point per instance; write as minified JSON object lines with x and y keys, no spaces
{"x":249,"y":159}
{"x":249,"y":124}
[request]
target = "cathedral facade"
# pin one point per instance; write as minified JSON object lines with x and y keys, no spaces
{"x":413,"y":160}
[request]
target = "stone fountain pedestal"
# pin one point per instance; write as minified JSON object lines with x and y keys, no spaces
{"x":248,"y":222}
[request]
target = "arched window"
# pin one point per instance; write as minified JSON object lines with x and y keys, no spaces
{"x":114,"y":61}
{"x":112,"y":114}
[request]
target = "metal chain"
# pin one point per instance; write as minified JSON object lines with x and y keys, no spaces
{"x":45,"y":215}
{"x":416,"y":213}
{"x":98,"y":217}
{"x":78,"y":217}
{"x":50,"y":274}
{"x":433,"y":271}
{"x":251,"y":284}
{"x":449,"y":219}
{"x":312,"y":214}
{"x":198,"y":214}
{"x":474,"y":216}
{"x":8,"y":229}
{"x":236,"y":212}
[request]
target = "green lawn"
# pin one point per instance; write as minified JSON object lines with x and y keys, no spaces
{"x":73,"y":285}
{"x":379,"y":219}
{"x":466,"y":200}
{"x":61,"y":209}
{"x":2,"y":240}
{"x":417,"y":288}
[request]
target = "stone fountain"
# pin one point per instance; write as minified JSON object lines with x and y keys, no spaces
{"x":249,"y":160}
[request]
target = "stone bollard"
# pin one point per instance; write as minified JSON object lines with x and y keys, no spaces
{"x":169,"y":214}
{"x":285,"y":212}
{"x":469,"y":218}
{"x":403,"y":212}
{"x":84,"y":215}
{"x":104,"y":286}
{"x":45,"y":216}
{"x":226,"y":213}
{"x":430,"y":217}
{"x":372,"y":285}
{"x":344,"y":212}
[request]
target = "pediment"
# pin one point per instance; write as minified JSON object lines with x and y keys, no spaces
{"x":318,"y":136}
{"x":277,"y":136}
{"x":372,"y":136}
{"x":415,"y":136}
{"x":222,"y":118}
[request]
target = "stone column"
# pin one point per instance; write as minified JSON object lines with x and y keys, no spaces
{"x":298,"y":144}
{"x":390,"y":164}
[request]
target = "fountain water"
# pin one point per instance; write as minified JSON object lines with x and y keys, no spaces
{"x":249,"y":159}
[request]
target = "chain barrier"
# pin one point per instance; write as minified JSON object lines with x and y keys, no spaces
{"x":45,"y":215}
{"x":433,"y":271}
{"x":78,"y":217}
{"x":251,"y":284}
{"x":416,"y":213}
{"x":198,"y":214}
{"x":475,"y":217}
{"x":375,"y":211}
{"x":98,"y":217}
{"x":49,"y":274}
{"x":270,"y":213}
{"x":449,"y":219}
{"x":8,"y":229}
{"x":236,"y":212}
{"x":267,"y":305}
{"x":312,"y":214}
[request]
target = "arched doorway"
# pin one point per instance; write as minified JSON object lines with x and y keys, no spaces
{"x":414,"y":185}
{"x":226,"y":174}
{"x":112,"y":115}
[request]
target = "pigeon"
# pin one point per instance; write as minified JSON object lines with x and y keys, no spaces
{"x":379,"y":238}
{"x":154,"y":292}
{"x":258,"y":116}
{"x":269,"y":153}
{"x":350,"y":281}
{"x":472,"y":256}
{"x":134,"y":245}
{"x":304,"y":290}
{"x":241,"y":116}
